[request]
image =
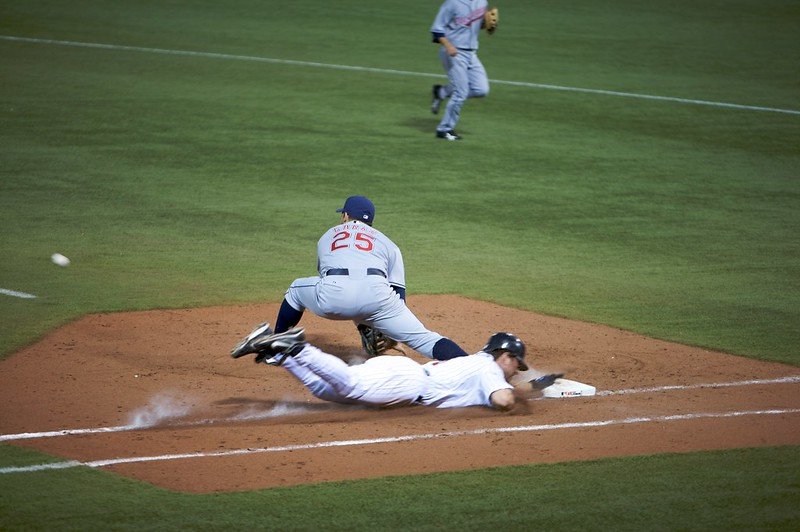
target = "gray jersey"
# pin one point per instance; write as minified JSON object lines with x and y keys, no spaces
{"x":357,"y":246}
{"x":460,"y":21}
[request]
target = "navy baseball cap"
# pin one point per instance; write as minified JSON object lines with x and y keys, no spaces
{"x":359,"y":208}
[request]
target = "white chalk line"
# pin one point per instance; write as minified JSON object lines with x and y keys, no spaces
{"x":215,"y":55}
{"x":779,"y":380}
{"x":14,"y":293}
{"x":239,"y":417}
{"x":396,"y":439}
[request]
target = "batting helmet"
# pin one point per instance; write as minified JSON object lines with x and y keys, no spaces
{"x":507,"y":342}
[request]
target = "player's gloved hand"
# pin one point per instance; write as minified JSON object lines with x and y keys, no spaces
{"x":491,"y":18}
{"x":376,"y":343}
{"x":540,"y":383}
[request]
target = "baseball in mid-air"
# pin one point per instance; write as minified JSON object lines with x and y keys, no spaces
{"x":60,"y":259}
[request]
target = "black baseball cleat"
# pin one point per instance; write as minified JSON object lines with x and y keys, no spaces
{"x":436,"y":102}
{"x":245,"y":347}
{"x":448,"y":135}
{"x":287,"y":343}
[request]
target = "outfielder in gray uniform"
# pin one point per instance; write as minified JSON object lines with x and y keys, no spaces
{"x":361,"y":278}
{"x":456,"y":28}
{"x":482,"y":379}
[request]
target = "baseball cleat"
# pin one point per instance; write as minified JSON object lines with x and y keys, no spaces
{"x":437,"y":101}
{"x":276,"y":360}
{"x":245,"y":347}
{"x":287,"y":343}
{"x":448,"y":135}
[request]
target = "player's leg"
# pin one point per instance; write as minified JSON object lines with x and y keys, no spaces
{"x":301,"y":295}
{"x":445,"y":90}
{"x":459,"y":86}
{"x":478,"y":81}
{"x":287,"y":318}
{"x":331,"y":369}
{"x":399,"y":323}
{"x":318,"y":386}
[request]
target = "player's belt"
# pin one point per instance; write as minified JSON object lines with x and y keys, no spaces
{"x":345,"y":271}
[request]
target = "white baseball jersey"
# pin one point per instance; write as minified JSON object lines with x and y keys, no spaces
{"x":356,"y":265}
{"x":463,"y":381}
{"x":398,"y":380}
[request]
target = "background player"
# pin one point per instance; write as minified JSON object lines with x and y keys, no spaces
{"x":361,"y":278}
{"x":480,"y":379}
{"x":456,"y":28}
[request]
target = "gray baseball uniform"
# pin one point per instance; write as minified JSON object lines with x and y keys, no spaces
{"x":362,"y":278}
{"x":363,"y":294}
{"x":460,"y":22}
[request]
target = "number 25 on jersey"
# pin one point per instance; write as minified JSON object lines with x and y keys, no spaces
{"x":361,"y":241}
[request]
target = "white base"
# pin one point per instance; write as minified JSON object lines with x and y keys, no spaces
{"x":568,"y":388}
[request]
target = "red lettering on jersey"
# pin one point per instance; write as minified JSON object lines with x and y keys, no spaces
{"x":364,"y":242}
{"x":339,"y":241}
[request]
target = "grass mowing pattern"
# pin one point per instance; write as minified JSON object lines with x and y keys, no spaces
{"x":175,"y":182}
{"x":180,"y":181}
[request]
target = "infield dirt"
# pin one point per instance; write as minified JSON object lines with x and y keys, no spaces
{"x":171,"y":370}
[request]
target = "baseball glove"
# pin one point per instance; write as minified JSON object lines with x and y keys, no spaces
{"x":376,"y":343}
{"x":540,"y":383}
{"x":490,"y":20}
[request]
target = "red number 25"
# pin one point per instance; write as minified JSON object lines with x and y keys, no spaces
{"x":363,"y":241}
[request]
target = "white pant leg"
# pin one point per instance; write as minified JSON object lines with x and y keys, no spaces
{"x":329,"y":368}
{"x":389,"y":381}
{"x":380,"y":381}
{"x":315,"y":384}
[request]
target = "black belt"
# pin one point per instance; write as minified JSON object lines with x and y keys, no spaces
{"x":345,"y":271}
{"x":467,"y":49}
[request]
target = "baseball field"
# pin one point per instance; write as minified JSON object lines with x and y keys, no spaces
{"x":626,"y":200}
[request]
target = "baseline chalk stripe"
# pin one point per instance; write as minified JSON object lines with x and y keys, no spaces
{"x":14,"y":293}
{"x":214,"y":55}
{"x":123,"y":428}
{"x":756,"y":382}
{"x":396,"y":439}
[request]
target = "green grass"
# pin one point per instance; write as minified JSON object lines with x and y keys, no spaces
{"x":179,"y":181}
{"x":597,"y":495}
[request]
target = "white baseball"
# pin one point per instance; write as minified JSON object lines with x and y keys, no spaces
{"x":60,"y":259}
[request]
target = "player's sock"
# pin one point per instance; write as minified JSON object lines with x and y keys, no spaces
{"x":288,"y":317}
{"x":446,"y":349}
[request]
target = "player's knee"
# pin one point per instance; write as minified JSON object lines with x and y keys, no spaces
{"x":446,"y":349}
{"x":479,"y":92}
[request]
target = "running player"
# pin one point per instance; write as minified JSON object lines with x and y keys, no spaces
{"x":361,"y":278}
{"x":456,"y":28}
